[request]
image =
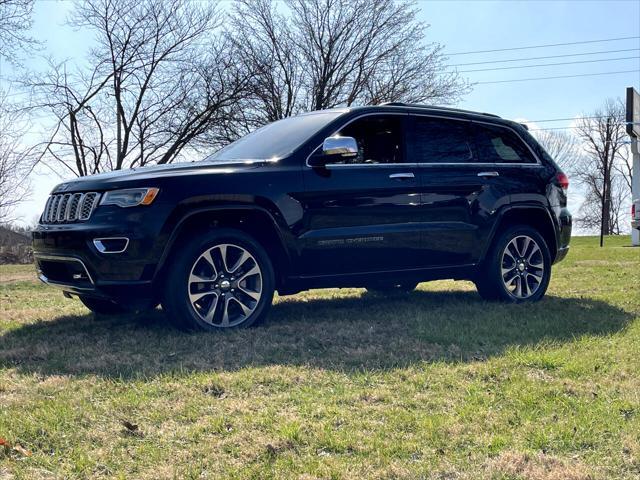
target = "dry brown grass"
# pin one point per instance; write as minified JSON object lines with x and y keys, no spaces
{"x":538,"y":466}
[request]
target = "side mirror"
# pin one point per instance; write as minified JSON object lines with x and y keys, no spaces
{"x":343,"y":146}
{"x":334,"y":148}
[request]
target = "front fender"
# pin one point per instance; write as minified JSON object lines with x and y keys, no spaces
{"x":181,"y":218}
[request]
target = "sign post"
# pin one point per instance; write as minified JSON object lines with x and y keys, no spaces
{"x":633,"y":129}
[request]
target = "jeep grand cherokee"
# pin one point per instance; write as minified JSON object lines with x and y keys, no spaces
{"x":381,"y":197}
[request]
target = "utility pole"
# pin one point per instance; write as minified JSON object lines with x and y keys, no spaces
{"x":635,"y":185}
{"x":604,"y":207}
{"x":633,"y":129}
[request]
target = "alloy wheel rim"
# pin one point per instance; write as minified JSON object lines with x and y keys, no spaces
{"x":522,"y":267}
{"x":225,"y":285}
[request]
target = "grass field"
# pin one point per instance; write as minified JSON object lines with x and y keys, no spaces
{"x":336,"y":384}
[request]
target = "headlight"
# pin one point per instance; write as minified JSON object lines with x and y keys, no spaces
{"x":130,"y":197}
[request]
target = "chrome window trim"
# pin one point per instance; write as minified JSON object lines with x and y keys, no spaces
{"x":538,"y":163}
{"x":330,"y":166}
{"x":97,"y":242}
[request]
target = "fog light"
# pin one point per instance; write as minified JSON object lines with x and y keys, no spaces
{"x":111,"y":245}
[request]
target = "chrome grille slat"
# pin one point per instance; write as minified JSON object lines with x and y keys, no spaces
{"x":50,"y":212}
{"x":54,"y":209}
{"x":75,"y":202}
{"x":69,"y":207}
{"x":47,"y":209}
{"x":87,"y":205}
{"x":62,"y":208}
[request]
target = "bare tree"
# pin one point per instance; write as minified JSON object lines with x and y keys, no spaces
{"x":318,"y":54}
{"x":561,"y":146}
{"x":625,"y":166}
{"x":159,"y":78}
{"x":73,"y":100}
{"x":603,"y":135}
{"x":15,"y":21}
{"x":590,"y":214}
{"x":15,"y":160}
{"x":165,"y":80}
{"x":266,"y":48}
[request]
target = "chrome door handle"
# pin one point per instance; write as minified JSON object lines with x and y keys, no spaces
{"x":402,"y":175}
{"x":488,"y":174}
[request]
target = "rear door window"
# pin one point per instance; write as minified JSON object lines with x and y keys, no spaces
{"x":496,"y":144}
{"x":439,"y":140}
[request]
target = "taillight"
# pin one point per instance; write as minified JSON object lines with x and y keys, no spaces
{"x":633,"y":210}
{"x":563,"y":180}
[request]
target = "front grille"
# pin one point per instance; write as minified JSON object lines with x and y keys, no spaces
{"x":69,"y":207}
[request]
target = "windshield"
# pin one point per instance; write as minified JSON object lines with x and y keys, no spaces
{"x":277,"y":139}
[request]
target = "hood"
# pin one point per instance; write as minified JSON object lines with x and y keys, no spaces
{"x":135,"y":177}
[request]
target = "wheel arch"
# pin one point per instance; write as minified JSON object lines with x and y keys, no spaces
{"x":252,"y":220}
{"x":535,"y":216}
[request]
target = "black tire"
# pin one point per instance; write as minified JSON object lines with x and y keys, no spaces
{"x":404,"y":287}
{"x":101,"y":307}
{"x":179,"y":287}
{"x":491,"y":283}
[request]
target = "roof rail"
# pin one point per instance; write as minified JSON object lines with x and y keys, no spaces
{"x":436,"y":107}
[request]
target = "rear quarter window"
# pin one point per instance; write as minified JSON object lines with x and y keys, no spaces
{"x":496,"y":144}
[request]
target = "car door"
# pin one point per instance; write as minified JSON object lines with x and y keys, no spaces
{"x":360,"y":212}
{"x":515,"y":168}
{"x":459,"y":192}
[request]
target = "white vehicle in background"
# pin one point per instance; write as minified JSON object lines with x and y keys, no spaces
{"x":635,"y":214}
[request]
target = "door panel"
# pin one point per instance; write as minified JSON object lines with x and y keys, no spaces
{"x":522,"y":177}
{"x":360,"y":212}
{"x":457,"y":209}
{"x":521,"y":174}
{"x":358,"y":219}
{"x":456,"y":203}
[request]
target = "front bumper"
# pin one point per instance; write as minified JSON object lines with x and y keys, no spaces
{"x":71,"y":275}
{"x":67,"y":257}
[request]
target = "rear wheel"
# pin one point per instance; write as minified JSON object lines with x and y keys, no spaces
{"x":517,"y":268}
{"x":224,"y":280}
{"x":102,"y":307}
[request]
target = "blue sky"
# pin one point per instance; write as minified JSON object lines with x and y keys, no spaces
{"x":463,"y":26}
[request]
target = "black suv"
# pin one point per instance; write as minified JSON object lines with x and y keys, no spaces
{"x":381,"y":197}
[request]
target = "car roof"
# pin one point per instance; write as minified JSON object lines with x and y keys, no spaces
{"x":433,"y":110}
{"x":395,"y":106}
{"x":400,"y":107}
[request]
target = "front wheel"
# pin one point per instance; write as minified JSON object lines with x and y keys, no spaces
{"x":224,"y":280}
{"x":517,"y":268}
